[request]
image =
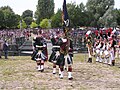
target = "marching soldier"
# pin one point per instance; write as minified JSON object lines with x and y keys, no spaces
{"x":65,"y":56}
{"x":41,"y":48}
{"x":34,"y":47}
{"x":55,"y":52}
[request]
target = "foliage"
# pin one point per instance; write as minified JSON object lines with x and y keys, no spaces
{"x":27,"y":16}
{"x":22,"y":25}
{"x":96,"y":13}
{"x":33,"y":25}
{"x":45,"y":9}
{"x":8,"y":19}
{"x":109,"y":18}
{"x":57,"y":19}
{"x":27,"y":13}
{"x":117,"y":13}
{"x":1,"y":19}
{"x":77,"y":14}
{"x":45,"y":23}
{"x":97,"y":9}
{"x":28,"y":20}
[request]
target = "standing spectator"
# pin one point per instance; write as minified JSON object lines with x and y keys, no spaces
{"x":1,"y":48}
{"x":5,"y":49}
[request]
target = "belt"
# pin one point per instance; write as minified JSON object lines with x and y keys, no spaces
{"x":56,"y":46}
{"x":39,"y":46}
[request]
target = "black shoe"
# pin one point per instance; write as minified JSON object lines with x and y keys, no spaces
{"x":54,"y":73}
{"x":90,"y":60}
{"x":70,"y":78}
{"x":113,"y":63}
{"x":42,"y":70}
{"x":61,"y":77}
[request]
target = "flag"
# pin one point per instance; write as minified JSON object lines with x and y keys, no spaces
{"x":65,"y":18}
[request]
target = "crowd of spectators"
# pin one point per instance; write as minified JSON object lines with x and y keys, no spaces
{"x":78,"y":35}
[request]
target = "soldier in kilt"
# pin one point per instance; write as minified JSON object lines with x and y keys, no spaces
{"x":66,"y":55}
{"x":55,"y":52}
{"x":41,"y":49}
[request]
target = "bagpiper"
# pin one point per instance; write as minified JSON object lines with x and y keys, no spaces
{"x":66,"y":56}
{"x":41,"y":48}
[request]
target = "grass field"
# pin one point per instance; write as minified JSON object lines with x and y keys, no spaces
{"x":19,"y":73}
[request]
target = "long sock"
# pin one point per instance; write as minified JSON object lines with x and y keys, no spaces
{"x":61,"y":75}
{"x":54,"y":69}
{"x":42,"y":66}
{"x":38,"y":65}
{"x":69,"y":72}
{"x":59,"y":71}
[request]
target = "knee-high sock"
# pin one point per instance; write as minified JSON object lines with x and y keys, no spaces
{"x":69,"y":72}
{"x":42,"y":65}
{"x":61,"y":69}
{"x":38,"y":65}
{"x":54,"y":69}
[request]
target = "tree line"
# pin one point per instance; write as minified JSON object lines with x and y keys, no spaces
{"x":96,"y":13}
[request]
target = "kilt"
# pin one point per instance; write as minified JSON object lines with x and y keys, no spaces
{"x":65,"y":59}
{"x":40,"y":56}
{"x":55,"y":55}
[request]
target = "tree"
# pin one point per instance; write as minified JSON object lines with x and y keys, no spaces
{"x":27,"y":16}
{"x":1,"y":19}
{"x":8,"y":8}
{"x":117,"y":13}
{"x":97,"y":9}
{"x":57,"y":19}
{"x":109,"y":18}
{"x":22,"y":25}
{"x":45,"y":23}
{"x":77,"y":14}
{"x":10,"y":19}
{"x":45,"y":9}
{"x":33,"y":25}
{"x":28,"y":20}
{"x":27,"y":13}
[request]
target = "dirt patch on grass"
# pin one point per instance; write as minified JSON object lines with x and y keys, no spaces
{"x":21,"y":74}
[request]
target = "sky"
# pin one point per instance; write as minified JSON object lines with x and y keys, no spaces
{"x":20,"y":6}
